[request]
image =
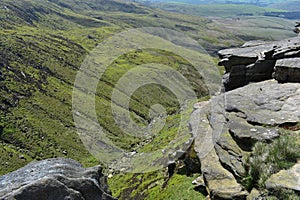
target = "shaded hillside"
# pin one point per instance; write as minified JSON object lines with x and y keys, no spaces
{"x":101,"y":5}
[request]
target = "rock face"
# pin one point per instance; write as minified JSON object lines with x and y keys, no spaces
{"x":253,"y":109}
{"x":289,"y":179}
{"x":227,"y":128}
{"x":256,"y":61}
{"x":221,"y":183}
{"x":55,"y":179}
{"x":287,"y":70}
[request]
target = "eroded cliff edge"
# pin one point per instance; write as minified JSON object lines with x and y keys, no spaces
{"x":247,"y":139}
{"x":258,"y":61}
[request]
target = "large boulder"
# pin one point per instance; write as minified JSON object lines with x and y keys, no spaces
{"x":55,"y":179}
{"x":265,"y":103}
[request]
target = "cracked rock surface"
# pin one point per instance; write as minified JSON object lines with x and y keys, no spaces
{"x":227,"y":127}
{"x":260,"y":61}
{"x":55,"y":179}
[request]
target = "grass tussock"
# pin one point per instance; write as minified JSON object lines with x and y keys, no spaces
{"x":268,"y":159}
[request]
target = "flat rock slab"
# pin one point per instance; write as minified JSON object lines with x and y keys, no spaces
{"x":289,"y":179}
{"x":248,"y":134}
{"x":247,"y":51}
{"x":289,"y":62}
{"x":287,"y":70}
{"x":221,"y":183}
{"x":265,"y":103}
{"x":255,"y":61}
{"x":287,"y":48}
{"x":55,"y":179}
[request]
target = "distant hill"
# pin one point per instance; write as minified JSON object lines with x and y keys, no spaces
{"x":288,"y":5}
{"x":254,"y":2}
{"x":216,"y":10}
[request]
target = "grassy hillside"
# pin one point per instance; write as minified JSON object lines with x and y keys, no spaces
{"x":216,"y":10}
{"x":249,"y":22}
{"x":259,"y":27}
{"x":43,"y":44}
{"x":287,"y":5}
{"x":253,"y":2}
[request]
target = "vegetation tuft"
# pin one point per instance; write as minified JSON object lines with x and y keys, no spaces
{"x":268,"y":159}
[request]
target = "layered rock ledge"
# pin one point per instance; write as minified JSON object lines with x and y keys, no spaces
{"x":259,"y":61}
{"x":55,"y":179}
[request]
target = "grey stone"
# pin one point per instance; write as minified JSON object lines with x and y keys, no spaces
{"x":55,"y":179}
{"x":247,"y":134}
{"x":245,"y":55}
{"x":226,"y":128}
{"x":254,"y":194}
{"x":255,"y":61}
{"x":266,"y":103}
{"x":289,"y":179}
{"x":230,"y":155}
{"x":199,"y":181}
{"x":259,"y":71}
{"x":207,"y":124}
{"x":236,"y":78}
{"x":287,"y":70}
{"x":221,"y":183}
{"x":287,"y":48}
{"x":254,"y":43}
{"x":297,"y":28}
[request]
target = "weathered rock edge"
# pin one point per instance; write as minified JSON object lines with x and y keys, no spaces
{"x":259,"y":61}
{"x":227,"y":127}
{"x":57,"y":178}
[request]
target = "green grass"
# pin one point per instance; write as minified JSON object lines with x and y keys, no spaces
{"x":41,"y":58}
{"x":154,"y":185}
{"x":179,"y":187}
{"x":216,"y":10}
